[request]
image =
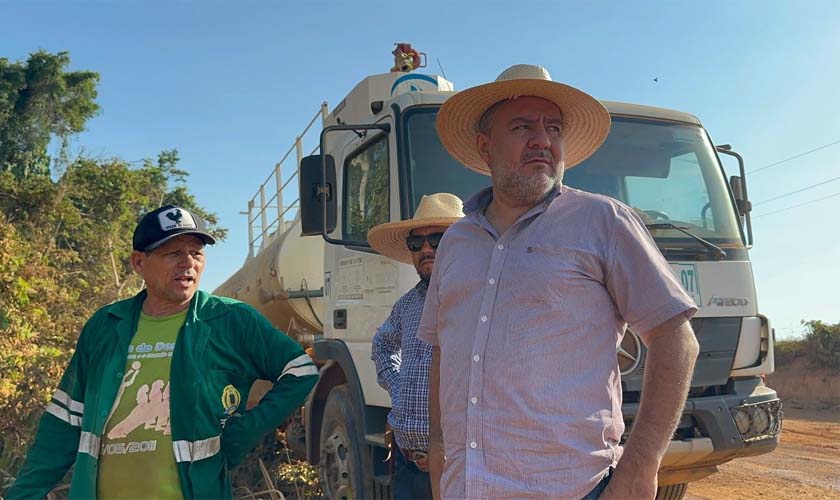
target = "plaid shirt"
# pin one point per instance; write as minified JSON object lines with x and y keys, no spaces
{"x":402,"y":368}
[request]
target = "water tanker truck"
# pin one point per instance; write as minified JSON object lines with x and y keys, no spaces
{"x":311,"y":271}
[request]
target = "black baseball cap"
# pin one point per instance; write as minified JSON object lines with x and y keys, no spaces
{"x":161,"y":225}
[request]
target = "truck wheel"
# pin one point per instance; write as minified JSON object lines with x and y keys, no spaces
{"x":342,"y":454}
{"x":672,"y":491}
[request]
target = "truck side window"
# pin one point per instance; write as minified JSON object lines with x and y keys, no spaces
{"x":366,"y":195}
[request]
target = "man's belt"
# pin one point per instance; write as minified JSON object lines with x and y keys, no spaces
{"x":420,"y":458}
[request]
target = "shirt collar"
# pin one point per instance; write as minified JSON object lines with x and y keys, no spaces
{"x":481,"y":200}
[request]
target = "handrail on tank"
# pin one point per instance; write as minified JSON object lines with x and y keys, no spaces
{"x":259,"y":225}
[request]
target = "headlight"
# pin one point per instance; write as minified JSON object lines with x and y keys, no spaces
{"x":759,"y":420}
{"x":742,"y":421}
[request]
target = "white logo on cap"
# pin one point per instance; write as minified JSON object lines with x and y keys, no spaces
{"x":175,"y":219}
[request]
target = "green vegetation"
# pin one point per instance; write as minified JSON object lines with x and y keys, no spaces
{"x":65,"y":234}
{"x":786,"y":351}
{"x":300,"y":477}
{"x":39,"y":101}
{"x":272,"y":467}
{"x":820,"y":346}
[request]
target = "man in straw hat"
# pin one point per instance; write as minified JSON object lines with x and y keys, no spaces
{"x":529,"y":301}
{"x":402,"y":361}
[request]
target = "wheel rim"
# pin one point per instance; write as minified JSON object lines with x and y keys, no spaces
{"x":335,"y":467}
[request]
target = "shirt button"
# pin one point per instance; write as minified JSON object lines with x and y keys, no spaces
{"x":500,"y":246}
{"x":474,"y":400}
{"x":484,"y":319}
{"x":119,"y":374}
{"x":104,"y":413}
{"x":491,"y":281}
{"x":473,"y":445}
{"x":476,"y":357}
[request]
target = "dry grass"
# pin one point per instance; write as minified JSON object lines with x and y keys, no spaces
{"x":272,"y":473}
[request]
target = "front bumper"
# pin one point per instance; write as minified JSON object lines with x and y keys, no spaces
{"x":724,"y":428}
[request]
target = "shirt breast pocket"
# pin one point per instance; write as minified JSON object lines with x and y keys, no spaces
{"x":538,"y":299}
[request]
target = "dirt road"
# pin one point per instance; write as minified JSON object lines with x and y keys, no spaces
{"x":805,"y":465}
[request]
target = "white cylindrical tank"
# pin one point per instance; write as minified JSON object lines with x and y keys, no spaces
{"x":287,"y":265}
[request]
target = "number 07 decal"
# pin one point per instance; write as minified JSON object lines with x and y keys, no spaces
{"x":688,"y":277}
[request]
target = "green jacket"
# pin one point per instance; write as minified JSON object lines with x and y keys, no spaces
{"x":223,"y":342}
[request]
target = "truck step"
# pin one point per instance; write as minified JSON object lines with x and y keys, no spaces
{"x":376,"y":440}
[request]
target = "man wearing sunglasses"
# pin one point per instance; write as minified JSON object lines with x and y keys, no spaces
{"x":402,"y":361}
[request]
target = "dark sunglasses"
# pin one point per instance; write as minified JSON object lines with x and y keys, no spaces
{"x":415,"y":241}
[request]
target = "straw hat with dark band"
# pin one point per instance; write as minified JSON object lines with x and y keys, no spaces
{"x":441,"y":209}
{"x":586,"y":122}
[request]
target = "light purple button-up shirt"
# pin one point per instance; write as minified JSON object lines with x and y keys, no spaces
{"x":529,"y":323}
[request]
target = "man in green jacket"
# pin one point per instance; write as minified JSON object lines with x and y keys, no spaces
{"x":152,"y":404}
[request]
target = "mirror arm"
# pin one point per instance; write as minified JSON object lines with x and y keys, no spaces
{"x":727,"y":150}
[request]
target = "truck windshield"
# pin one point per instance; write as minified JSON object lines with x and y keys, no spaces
{"x":667,"y":171}
{"x":431,"y":169}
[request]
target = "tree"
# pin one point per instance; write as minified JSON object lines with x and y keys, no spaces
{"x":164,"y":172}
{"x":823,"y":344}
{"x":41,"y":100}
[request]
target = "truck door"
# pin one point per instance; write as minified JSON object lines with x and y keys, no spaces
{"x":363,"y":285}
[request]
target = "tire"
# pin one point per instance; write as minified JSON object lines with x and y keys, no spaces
{"x":672,"y":491}
{"x":343,"y":465}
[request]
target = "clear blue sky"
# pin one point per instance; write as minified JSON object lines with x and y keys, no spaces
{"x":231,"y":83}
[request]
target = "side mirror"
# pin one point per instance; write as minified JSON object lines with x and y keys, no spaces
{"x":313,"y":188}
{"x":736,"y":183}
{"x":318,"y":188}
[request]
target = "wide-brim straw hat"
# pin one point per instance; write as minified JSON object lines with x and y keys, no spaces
{"x":440,"y":209}
{"x":586,"y":122}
